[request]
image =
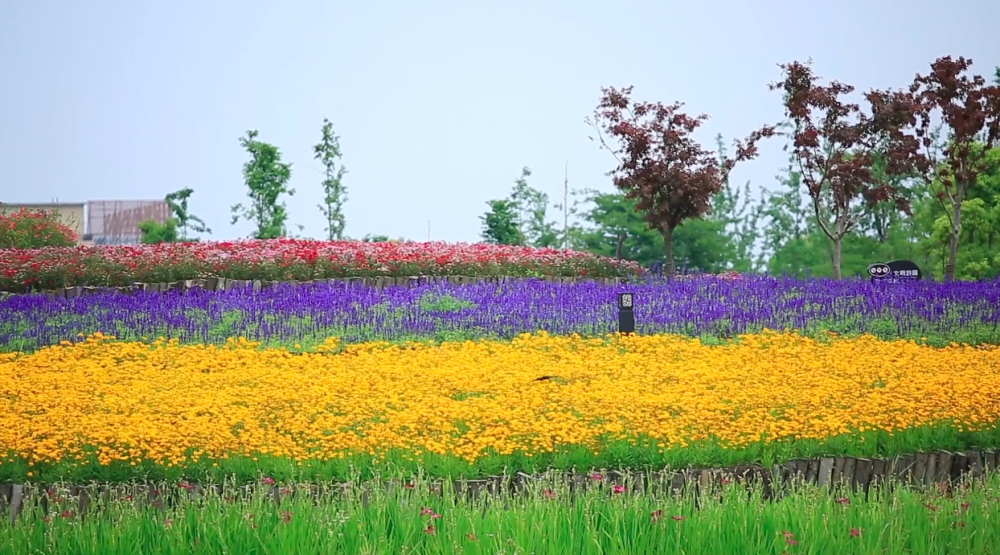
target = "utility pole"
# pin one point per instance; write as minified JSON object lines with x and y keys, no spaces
{"x":565,"y":204}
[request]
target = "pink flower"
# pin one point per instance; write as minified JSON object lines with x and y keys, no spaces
{"x":655,"y":515}
{"x":267,"y":481}
{"x":618,"y":489}
{"x":429,"y":530}
{"x":855,"y":532}
{"x":596,"y":477}
{"x":549,"y":494}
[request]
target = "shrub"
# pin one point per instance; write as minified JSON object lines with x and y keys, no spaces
{"x":31,"y":229}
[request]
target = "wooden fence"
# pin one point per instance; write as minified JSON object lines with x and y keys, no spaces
{"x":225,"y":284}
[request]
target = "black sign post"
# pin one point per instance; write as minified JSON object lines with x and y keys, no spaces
{"x":895,"y":271}
{"x":626,"y":318}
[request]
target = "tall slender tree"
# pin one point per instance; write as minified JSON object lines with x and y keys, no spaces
{"x":266,"y":178}
{"x":328,"y":152}
{"x":178,"y":203}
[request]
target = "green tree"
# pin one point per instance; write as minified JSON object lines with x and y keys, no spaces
{"x":266,"y":178}
{"x":328,"y":152}
{"x":531,"y":206}
{"x":979,"y":234}
{"x":698,"y":245}
{"x":739,"y":217}
{"x":500,"y":224}
{"x":178,"y":203}
{"x":153,"y":232}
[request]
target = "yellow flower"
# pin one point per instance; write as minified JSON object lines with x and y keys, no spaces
{"x":135,"y":401}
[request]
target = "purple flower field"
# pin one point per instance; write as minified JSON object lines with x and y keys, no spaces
{"x":704,"y":307}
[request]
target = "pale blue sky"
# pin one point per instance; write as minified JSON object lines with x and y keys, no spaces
{"x":438,"y":104}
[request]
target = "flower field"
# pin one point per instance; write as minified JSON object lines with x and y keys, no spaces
{"x":287,"y":259}
{"x":937,"y":314}
{"x":101,"y":408}
{"x":293,"y":387}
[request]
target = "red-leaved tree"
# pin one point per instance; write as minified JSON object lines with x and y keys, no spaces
{"x":669,"y":175}
{"x":969,"y":109}
{"x":834,"y":145}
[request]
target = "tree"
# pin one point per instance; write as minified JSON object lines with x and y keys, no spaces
{"x":525,"y":209}
{"x":661,"y":167}
{"x":153,"y":232}
{"x":970,"y":111}
{"x":833,"y":143}
{"x":178,"y":203}
{"x":266,"y":177}
{"x":334,"y":192}
{"x":739,"y":217}
{"x":532,"y":206}
{"x":500,"y":224}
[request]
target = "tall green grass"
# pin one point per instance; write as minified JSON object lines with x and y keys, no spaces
{"x":549,"y":518}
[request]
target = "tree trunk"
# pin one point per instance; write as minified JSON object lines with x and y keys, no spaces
{"x":668,"y":251}
{"x":949,"y":268}
{"x":618,"y":248}
{"x":837,"y":242}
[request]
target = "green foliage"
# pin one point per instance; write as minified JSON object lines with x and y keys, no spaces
{"x":520,"y":219}
{"x":154,"y":232}
{"x":334,"y":192}
{"x":185,"y":220}
{"x":266,"y":178}
{"x":531,"y":205}
{"x":549,"y":516}
{"x":500,"y":224}
{"x":175,"y":228}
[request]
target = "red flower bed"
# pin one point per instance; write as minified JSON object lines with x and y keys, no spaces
{"x":287,"y":259}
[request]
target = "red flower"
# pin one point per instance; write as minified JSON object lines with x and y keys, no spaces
{"x":549,"y":494}
{"x":618,"y":489}
{"x":855,"y":532}
{"x":267,"y":481}
{"x":471,"y":537}
{"x":429,"y":529}
{"x":286,"y":516}
{"x":596,"y":477}
{"x":843,"y":501}
{"x":655,"y":515}
{"x":677,"y":518}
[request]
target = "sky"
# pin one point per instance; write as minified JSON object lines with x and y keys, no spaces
{"x":438,"y":104}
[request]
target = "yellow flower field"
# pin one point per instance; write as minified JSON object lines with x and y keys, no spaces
{"x":134,"y":400}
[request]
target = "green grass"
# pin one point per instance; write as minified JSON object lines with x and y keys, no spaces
{"x":642,"y":453}
{"x":545,"y":519}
